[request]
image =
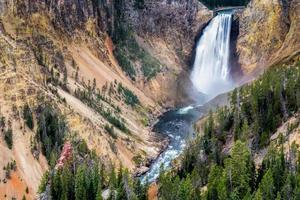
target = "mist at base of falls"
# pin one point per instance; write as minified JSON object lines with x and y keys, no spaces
{"x":211,"y":68}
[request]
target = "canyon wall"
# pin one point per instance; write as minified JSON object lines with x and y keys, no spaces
{"x":269,"y":31}
{"x":168,"y":30}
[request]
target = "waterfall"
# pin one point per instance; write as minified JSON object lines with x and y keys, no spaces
{"x":211,"y":72}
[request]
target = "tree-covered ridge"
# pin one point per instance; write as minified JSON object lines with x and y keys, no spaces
{"x":224,"y":3}
{"x":255,"y":112}
{"x":83,"y":177}
{"x":237,"y":178}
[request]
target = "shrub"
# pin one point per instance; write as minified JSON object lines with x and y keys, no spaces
{"x":44,"y":182}
{"x":130,"y":98}
{"x":8,"y":138}
{"x":110,"y":130}
{"x":82,"y":147}
{"x":150,"y":66}
{"x":125,"y":63}
{"x":27,"y":115}
{"x":2,"y":122}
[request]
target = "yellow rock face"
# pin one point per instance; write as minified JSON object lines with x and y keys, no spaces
{"x":264,"y":25}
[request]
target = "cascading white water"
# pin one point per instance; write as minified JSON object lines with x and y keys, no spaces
{"x":211,"y":74}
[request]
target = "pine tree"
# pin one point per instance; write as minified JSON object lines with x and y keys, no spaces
{"x":213,"y":182}
{"x":80,"y":183}
{"x":186,"y":189}
{"x":56,"y":189}
{"x":44,"y":182}
{"x":245,"y":131}
{"x":67,"y":183}
{"x":99,"y":193}
{"x":238,"y":169}
{"x":94,"y":84}
{"x":27,"y":115}
{"x":267,"y":186}
{"x":76,"y":74}
{"x":258,"y":195}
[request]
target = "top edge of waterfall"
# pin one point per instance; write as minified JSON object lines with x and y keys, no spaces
{"x":230,"y":11}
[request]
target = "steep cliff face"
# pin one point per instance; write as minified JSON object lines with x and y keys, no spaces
{"x":268,"y":32}
{"x":168,"y":29}
{"x":177,"y":22}
{"x":291,"y":44}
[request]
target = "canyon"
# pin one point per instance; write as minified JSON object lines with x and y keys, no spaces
{"x":57,"y":52}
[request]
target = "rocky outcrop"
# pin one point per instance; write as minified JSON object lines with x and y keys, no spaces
{"x":291,"y":44}
{"x":177,"y":22}
{"x":168,"y":30}
{"x":269,"y":31}
{"x":67,"y":15}
{"x":65,"y":155}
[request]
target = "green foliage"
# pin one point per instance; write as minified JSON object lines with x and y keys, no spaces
{"x":110,"y":130}
{"x":171,"y":187}
{"x":27,"y":115}
{"x":255,"y":112}
{"x":51,"y":130}
{"x":125,"y":63}
{"x":137,"y":159}
{"x":238,"y":178}
{"x":266,"y":186}
{"x":150,"y":66}
{"x":2,"y":122}
{"x":130,"y":98}
{"x":238,"y":169}
{"x":87,"y":181}
{"x":8,"y":137}
{"x":257,"y":109}
{"x":115,"y":121}
{"x":83,"y":183}
{"x":217,"y":188}
{"x":9,"y":167}
{"x":127,"y":51}
{"x":80,"y":183}
{"x":44,"y":182}
{"x":94,"y":102}
{"x":82,"y":147}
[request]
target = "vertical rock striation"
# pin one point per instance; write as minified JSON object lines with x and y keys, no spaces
{"x":269,"y":31}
